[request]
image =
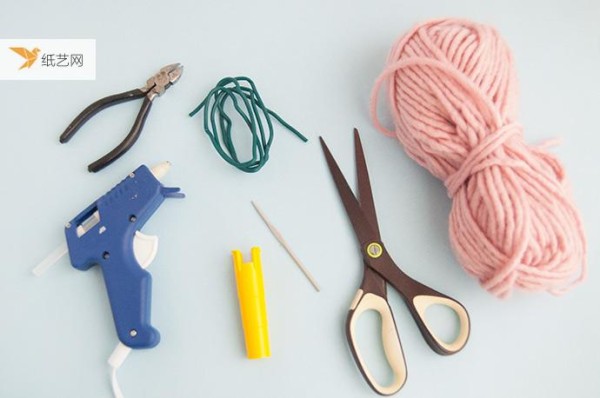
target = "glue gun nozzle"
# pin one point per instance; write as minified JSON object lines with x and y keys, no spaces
{"x":161,"y":169}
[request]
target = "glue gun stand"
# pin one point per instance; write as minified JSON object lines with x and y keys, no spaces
{"x":251,"y":296}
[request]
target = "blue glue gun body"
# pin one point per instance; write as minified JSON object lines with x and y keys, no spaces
{"x":107,"y":233}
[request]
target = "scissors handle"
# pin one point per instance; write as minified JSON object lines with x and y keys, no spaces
{"x":389,"y":334}
{"x":418,"y":305}
{"x":418,"y":297}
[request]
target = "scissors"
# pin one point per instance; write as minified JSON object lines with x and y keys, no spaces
{"x":379,"y":270}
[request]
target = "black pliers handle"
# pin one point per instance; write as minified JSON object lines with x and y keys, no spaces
{"x":155,"y":86}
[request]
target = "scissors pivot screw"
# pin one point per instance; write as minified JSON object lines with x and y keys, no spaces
{"x":374,"y":250}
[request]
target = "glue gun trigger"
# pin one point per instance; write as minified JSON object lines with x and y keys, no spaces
{"x":145,"y":248}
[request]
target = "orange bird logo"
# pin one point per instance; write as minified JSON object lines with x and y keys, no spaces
{"x":30,"y":56}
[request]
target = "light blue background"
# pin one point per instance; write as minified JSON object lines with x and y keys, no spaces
{"x":314,"y":62}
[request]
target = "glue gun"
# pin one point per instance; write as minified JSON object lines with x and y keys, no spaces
{"x":107,"y":233}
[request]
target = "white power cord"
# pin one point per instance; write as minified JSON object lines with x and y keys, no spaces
{"x":115,"y":361}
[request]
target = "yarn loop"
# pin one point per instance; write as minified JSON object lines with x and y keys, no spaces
{"x":478,"y":157}
{"x":453,"y":95}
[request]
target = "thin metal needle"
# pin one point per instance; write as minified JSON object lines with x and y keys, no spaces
{"x":279,"y":237}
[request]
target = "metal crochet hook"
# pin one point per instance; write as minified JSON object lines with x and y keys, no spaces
{"x":155,"y":86}
{"x":287,"y":247}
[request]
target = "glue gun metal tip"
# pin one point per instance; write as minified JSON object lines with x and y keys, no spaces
{"x":161,"y":169}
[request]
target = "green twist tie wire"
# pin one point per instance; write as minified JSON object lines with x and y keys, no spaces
{"x":252,"y":110}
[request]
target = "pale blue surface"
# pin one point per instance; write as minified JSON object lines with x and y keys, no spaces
{"x":314,"y":62}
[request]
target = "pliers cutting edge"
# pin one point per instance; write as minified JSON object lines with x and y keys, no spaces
{"x":155,"y":86}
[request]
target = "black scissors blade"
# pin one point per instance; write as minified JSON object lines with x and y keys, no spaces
{"x":363,"y":226}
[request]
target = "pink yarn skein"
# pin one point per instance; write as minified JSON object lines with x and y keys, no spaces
{"x":453,"y":94}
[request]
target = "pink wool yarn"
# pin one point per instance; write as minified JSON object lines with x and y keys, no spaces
{"x":453,"y":94}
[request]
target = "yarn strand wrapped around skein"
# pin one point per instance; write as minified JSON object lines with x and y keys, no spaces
{"x":453,"y":94}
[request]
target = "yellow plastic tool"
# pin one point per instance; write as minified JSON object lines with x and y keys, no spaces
{"x":253,"y":309}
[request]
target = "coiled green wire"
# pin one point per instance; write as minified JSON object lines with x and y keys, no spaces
{"x":252,"y":109}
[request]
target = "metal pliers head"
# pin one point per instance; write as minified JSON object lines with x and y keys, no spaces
{"x":161,"y":81}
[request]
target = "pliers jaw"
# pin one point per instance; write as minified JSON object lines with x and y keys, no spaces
{"x":161,"y":81}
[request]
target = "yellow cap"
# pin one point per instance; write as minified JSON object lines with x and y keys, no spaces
{"x":251,"y":295}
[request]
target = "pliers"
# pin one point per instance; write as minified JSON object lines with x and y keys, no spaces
{"x":155,"y":86}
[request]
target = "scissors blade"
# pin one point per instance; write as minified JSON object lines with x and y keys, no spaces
{"x":372,"y":281}
{"x":365,"y":194}
{"x":362,"y":226}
